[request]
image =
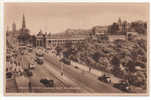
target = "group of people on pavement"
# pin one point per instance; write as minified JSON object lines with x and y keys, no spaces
{"x":14,"y":65}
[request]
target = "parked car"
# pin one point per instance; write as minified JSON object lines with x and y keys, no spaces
{"x":105,"y":79}
{"x":9,"y":75}
{"x":47,"y":83}
{"x":39,"y":60}
{"x":8,"y":56}
{"x":39,"y":56}
{"x":123,"y":85}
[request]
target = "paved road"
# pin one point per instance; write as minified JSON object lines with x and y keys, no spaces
{"x":73,"y":80}
{"x":41,"y":71}
{"x":85,"y":80}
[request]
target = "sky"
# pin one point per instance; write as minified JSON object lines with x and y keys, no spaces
{"x":57,"y":17}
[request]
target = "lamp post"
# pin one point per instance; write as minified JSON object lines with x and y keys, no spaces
{"x":61,"y":68}
{"x":61,"y":65}
{"x":29,"y":75}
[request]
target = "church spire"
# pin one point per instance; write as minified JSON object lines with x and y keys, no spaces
{"x":119,"y":21}
{"x":24,"y":23}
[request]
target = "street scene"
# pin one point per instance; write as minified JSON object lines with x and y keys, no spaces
{"x":50,"y":48}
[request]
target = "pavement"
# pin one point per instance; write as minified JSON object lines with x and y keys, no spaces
{"x":95,"y":71}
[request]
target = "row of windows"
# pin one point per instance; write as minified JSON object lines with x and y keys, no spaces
{"x":52,"y":41}
{"x":57,"y":42}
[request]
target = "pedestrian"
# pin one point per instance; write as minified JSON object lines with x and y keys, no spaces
{"x":28,"y":65}
{"x":61,"y":69}
{"x":30,"y":86}
{"x":61,"y":73}
{"x":89,"y":69}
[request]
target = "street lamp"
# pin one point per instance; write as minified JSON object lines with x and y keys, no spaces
{"x":61,"y":65}
{"x":61,"y":68}
{"x":29,"y":75}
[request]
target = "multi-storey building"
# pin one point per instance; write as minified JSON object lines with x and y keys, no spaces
{"x":52,"y":40}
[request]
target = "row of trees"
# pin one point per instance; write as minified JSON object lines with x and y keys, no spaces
{"x":25,"y":37}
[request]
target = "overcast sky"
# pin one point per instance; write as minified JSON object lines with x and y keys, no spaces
{"x":57,"y":17}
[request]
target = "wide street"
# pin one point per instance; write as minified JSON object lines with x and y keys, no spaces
{"x":72,"y":81}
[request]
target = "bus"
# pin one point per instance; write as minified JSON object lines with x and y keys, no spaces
{"x":39,"y":56}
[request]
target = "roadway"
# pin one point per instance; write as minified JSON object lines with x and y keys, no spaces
{"x":72,"y":81}
{"x":45,"y":71}
{"x":84,"y":80}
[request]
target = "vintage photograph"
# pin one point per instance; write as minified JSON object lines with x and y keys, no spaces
{"x":76,"y":48}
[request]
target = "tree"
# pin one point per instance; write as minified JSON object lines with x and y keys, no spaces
{"x":115,"y":61}
{"x":96,"y":56}
{"x":104,"y":62}
{"x":24,"y":36}
{"x":131,"y":66}
{"x":139,"y":26}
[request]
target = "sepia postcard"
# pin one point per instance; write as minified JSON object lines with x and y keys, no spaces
{"x":88,"y":49}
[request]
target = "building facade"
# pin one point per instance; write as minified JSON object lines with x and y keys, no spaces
{"x":52,"y":40}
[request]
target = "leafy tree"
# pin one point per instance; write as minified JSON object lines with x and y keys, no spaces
{"x":115,"y":61}
{"x":140,"y":27}
{"x":24,"y":36}
{"x":96,"y":56}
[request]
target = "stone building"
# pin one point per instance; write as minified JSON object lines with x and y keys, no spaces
{"x":100,"y":30}
{"x":40,"y":39}
{"x":52,"y":40}
{"x":123,"y":26}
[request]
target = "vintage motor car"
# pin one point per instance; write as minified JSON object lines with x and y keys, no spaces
{"x":9,"y":75}
{"x":39,"y":60}
{"x":123,"y":85}
{"x":47,"y":83}
{"x":105,"y":79}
